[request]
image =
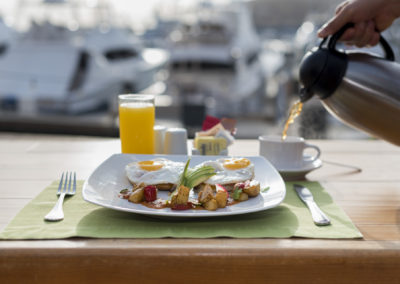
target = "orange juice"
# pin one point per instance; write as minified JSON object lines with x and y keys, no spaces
{"x":136,"y":127}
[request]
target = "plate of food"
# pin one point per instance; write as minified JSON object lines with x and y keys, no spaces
{"x":185,"y":186}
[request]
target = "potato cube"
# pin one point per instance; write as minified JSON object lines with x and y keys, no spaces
{"x":205,"y":194}
{"x":253,"y":188}
{"x":211,"y":205}
{"x":180,"y":196}
{"x":137,"y":196}
{"x":221,"y":197}
{"x":243,"y":196}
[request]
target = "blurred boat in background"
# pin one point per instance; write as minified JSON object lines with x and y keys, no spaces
{"x":214,"y":58}
{"x":6,"y":35}
{"x":63,"y":65}
{"x":52,"y":68}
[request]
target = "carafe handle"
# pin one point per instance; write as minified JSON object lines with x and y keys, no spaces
{"x":389,"y":55}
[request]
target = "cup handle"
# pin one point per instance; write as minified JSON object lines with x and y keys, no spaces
{"x":312,"y":158}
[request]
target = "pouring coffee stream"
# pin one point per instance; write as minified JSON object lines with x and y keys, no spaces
{"x":294,"y":112}
{"x":359,"y":88}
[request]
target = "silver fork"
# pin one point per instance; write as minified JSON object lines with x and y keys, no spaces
{"x":57,"y":212}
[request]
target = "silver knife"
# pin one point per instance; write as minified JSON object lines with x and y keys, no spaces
{"x":318,"y":216}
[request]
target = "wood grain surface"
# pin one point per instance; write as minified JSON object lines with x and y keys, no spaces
{"x":371,"y":198}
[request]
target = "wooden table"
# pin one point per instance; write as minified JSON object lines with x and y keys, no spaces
{"x":28,"y":163}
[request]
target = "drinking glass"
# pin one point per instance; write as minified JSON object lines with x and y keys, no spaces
{"x":136,"y":123}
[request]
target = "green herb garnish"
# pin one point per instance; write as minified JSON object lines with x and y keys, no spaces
{"x":236,"y":193}
{"x":265,"y":189}
{"x":182,"y":179}
{"x":124,"y":191}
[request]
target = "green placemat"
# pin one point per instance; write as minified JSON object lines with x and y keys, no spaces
{"x":82,"y":219}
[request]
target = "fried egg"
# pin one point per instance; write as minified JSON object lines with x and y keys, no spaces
{"x":230,"y":170}
{"x":154,"y":172}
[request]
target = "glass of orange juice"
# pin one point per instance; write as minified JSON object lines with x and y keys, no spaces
{"x":136,"y":123}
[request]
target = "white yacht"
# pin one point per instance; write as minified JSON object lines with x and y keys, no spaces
{"x":215,"y":56}
{"x":53,"y":68}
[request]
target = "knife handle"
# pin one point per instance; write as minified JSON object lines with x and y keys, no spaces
{"x":318,"y":216}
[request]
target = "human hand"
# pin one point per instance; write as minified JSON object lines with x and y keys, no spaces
{"x":370,"y":17}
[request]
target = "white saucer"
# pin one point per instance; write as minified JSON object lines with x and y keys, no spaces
{"x":300,"y":173}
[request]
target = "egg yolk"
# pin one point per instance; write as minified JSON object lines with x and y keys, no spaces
{"x":235,"y":164}
{"x":150,"y":165}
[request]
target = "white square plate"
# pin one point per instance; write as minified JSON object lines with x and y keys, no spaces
{"x":108,"y":179}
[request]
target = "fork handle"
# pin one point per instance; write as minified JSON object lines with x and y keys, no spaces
{"x":56,"y":214}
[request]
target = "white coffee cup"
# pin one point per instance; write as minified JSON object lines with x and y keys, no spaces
{"x":159,"y":134}
{"x":175,"y":141}
{"x":287,"y":154}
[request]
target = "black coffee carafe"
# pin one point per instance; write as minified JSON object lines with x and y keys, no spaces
{"x":359,"y":88}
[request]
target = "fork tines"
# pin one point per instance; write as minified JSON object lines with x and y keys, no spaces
{"x":68,"y":180}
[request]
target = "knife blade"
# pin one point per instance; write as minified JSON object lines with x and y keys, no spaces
{"x":319,"y":217}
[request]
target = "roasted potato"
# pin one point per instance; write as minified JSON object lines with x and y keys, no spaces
{"x":221,"y":196}
{"x":211,"y":205}
{"x":243,"y":196}
{"x":137,"y":196}
{"x":253,"y":189}
{"x":205,"y":194}
{"x":180,"y":196}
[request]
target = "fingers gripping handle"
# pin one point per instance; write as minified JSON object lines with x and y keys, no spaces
{"x":389,"y":54}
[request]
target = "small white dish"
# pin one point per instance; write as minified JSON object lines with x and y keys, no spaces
{"x":299,"y":173}
{"x":108,"y":179}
